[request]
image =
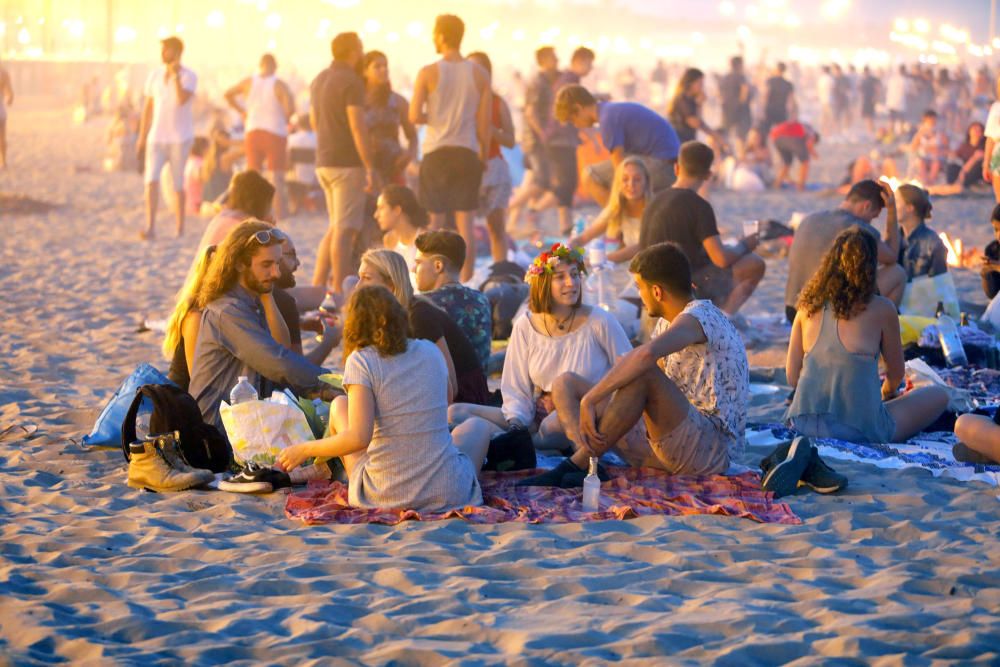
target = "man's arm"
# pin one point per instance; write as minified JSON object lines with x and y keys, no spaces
{"x":724,"y":256}
{"x":505,"y":134}
{"x":417,"y":114}
{"x":618,"y":156}
{"x":240,"y":89}
{"x":145,"y":120}
{"x":253,"y":345}
{"x":183,"y":94}
{"x":484,"y":113}
{"x":359,"y":131}
{"x":275,"y":321}
{"x":888,"y":251}
{"x":285,"y":98}
{"x":683,"y":332}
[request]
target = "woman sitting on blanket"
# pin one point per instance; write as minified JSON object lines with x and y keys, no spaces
{"x":841,"y":327}
{"x":391,"y":430}
{"x":558,"y":335}
{"x":429,"y":322}
{"x":621,"y":219}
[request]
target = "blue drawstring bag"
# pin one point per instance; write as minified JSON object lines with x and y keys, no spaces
{"x":108,"y":429}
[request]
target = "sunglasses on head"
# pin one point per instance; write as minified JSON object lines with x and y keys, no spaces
{"x":267,"y":237}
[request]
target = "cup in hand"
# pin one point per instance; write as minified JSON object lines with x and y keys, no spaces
{"x":751,"y":228}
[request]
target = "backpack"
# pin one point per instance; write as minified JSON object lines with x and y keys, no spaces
{"x":175,"y":410}
{"x":506,"y":290}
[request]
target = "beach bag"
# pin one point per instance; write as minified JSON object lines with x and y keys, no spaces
{"x":174,"y":409}
{"x":108,"y":428}
{"x":922,"y":294}
{"x":259,"y":430}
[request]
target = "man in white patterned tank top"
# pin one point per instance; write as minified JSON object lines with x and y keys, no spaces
{"x":452,"y":97}
{"x":267,"y":106}
{"x":690,"y":384}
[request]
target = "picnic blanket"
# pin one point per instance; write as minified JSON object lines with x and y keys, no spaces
{"x":630,"y":493}
{"x":930,"y":451}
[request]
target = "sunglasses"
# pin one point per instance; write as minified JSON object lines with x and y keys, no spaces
{"x":267,"y":237}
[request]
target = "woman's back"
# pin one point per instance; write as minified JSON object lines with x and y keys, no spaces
{"x":838,"y":392}
{"x":411,"y":461}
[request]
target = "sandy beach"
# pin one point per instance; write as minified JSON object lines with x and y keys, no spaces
{"x":900,"y":568}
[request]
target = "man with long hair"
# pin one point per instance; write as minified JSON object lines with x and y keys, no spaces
{"x":234,"y":339}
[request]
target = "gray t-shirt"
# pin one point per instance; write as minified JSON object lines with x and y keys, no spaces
{"x":812,"y":239}
{"x":411,"y":462}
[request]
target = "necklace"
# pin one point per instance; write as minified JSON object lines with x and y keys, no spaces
{"x":561,"y":326}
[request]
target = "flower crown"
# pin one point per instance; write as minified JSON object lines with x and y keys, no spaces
{"x":546,"y":262}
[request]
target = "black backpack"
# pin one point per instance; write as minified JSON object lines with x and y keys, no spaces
{"x":175,"y":410}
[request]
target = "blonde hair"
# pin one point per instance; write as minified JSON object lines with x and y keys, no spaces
{"x":392,"y":268}
{"x":186,"y":301}
{"x":614,"y":212}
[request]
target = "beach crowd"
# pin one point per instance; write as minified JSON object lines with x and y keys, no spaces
{"x":404,"y":182}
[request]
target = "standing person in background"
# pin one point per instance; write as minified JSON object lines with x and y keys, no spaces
{"x":538,"y":123}
{"x":779,"y":99}
{"x":684,"y":111}
{"x":453,"y":98}
{"x":564,"y":140}
{"x":794,"y":140}
{"x":495,"y":189}
{"x":345,"y":165}
{"x":6,"y":99}
{"x":627,"y":129}
{"x":870,"y":88}
{"x":897,"y":91}
{"x":169,"y":124}
{"x":265,"y":112}
{"x":734,"y":88}
{"x":991,"y":159}
{"x":387,"y":112}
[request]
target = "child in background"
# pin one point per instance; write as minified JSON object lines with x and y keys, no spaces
{"x":193,"y":185}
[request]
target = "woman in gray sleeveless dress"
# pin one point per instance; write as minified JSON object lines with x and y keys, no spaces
{"x":841,"y":328}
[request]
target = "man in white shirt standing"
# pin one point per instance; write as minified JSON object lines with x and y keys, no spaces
{"x":265,"y":111}
{"x":169,"y":124}
{"x":896,"y":91}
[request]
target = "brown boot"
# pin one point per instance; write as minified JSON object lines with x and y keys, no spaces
{"x":149,"y":469}
{"x":169,"y":445}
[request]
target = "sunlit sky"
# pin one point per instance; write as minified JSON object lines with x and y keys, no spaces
{"x":222,"y":33}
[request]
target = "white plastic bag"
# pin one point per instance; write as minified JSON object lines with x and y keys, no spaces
{"x":258,"y":430}
{"x":992,"y":314}
{"x":922,"y":375}
{"x":922,"y":294}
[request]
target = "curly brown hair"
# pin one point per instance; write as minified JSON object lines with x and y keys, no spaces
{"x":846,"y":278}
{"x":375,"y":318}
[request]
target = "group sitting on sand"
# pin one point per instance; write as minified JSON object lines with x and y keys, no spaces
{"x":572,"y":380}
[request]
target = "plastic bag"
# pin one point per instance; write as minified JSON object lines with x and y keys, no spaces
{"x":258,"y":430}
{"x":923,"y":294}
{"x":922,"y":375}
{"x":108,"y":428}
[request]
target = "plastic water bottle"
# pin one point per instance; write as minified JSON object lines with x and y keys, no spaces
{"x":579,"y":226}
{"x":592,"y":488}
{"x":951,"y":342}
{"x":242,"y":392}
{"x":142,"y":425}
{"x":599,"y":278}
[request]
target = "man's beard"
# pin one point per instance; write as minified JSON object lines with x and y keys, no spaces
{"x":285,"y":280}
{"x":260,"y":287}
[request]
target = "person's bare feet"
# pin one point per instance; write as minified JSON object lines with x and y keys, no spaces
{"x":146,"y":235}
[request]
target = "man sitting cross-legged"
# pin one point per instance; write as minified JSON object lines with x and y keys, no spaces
{"x":690,"y":382}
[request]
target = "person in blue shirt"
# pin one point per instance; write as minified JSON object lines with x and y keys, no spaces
{"x":921,"y":251}
{"x":627,"y":129}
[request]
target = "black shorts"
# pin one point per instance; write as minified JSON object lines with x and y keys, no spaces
{"x":565,"y":175}
{"x":790,"y":148}
{"x":449,"y":180}
{"x":536,"y":160}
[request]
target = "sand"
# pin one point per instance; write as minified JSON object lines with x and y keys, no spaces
{"x":899,"y":568}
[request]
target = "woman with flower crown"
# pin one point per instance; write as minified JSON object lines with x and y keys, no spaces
{"x":557,"y":335}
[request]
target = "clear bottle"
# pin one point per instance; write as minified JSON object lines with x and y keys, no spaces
{"x":142,"y":424}
{"x":579,"y":226}
{"x":951,"y":342}
{"x":242,"y":392}
{"x":592,"y":488}
{"x":599,"y":279}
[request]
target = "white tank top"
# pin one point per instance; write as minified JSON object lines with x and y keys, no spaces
{"x":264,"y":112}
{"x":451,"y":108}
